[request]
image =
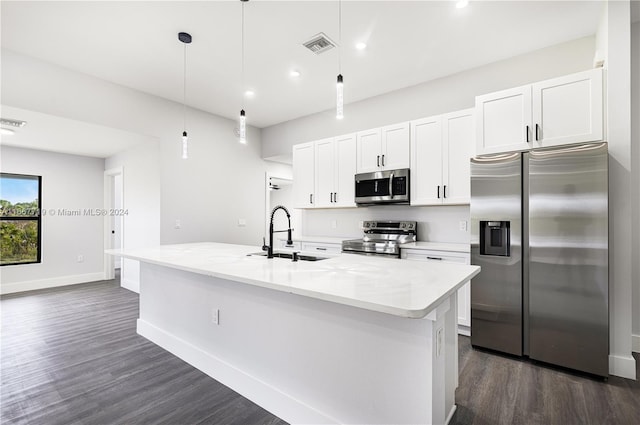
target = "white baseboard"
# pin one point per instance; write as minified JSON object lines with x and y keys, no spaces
{"x":130,"y":285}
{"x":278,"y":403}
{"x":464,"y":330}
{"x":622,"y":366}
{"x":31,"y":285}
{"x":635,"y":343}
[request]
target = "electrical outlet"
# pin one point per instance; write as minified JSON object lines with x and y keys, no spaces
{"x":242,"y":222}
{"x":463,"y":226}
{"x":439,"y":342}
{"x":80,"y":258}
{"x":215,"y":316}
{"x":177,"y":225}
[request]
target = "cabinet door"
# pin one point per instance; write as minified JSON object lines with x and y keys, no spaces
{"x":458,"y":134}
{"x":464,"y":293}
{"x":303,"y":175}
{"x":324,"y":173}
{"x":345,"y":170}
{"x":368,"y":151}
{"x":568,"y":109}
{"x":503,"y":121}
{"x":426,"y":161}
{"x":395,"y":147}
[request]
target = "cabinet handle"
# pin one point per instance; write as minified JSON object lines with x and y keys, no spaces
{"x":335,"y":196}
{"x":438,"y":192}
{"x":311,"y":198}
{"x":537,"y":132}
{"x":378,"y":160}
{"x":444,"y":191}
{"x":383,"y":160}
{"x":434,"y":258}
{"x":528,"y":135}
{"x":321,"y":249}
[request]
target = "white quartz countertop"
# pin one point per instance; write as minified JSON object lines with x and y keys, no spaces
{"x":409,"y":289}
{"x":438,"y":246}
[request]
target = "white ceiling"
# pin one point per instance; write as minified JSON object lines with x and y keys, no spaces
{"x":56,"y":134}
{"x":135,"y":44}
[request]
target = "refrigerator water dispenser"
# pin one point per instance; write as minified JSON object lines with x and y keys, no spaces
{"x":495,"y":238}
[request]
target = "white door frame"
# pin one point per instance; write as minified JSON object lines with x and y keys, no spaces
{"x":109,"y":190}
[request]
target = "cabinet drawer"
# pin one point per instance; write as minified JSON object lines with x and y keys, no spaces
{"x":329,"y":248}
{"x":446,"y":256}
{"x":296,"y":246}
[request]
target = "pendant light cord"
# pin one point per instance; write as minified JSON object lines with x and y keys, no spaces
{"x":339,"y":36}
{"x":242,"y":53}
{"x":184,"y":90}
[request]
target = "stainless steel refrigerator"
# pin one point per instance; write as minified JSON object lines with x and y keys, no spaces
{"x":539,"y":230}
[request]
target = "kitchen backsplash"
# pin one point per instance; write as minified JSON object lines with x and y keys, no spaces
{"x":435,"y":224}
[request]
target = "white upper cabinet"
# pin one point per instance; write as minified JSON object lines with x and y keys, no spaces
{"x":345,"y":170}
{"x":368,"y":151}
{"x":303,"y":175}
{"x":441,"y":147}
{"x":458,"y":136}
{"x":385,"y":148}
{"x":554,"y":112}
{"x":324,"y":173}
{"x":568,"y":109}
{"x":504,"y":121}
{"x":426,"y":161}
{"x":395,"y":147}
{"x":335,"y":166}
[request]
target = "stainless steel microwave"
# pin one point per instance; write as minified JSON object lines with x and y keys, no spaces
{"x":382,"y":187}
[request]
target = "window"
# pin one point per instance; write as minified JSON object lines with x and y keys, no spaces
{"x":20,"y":219}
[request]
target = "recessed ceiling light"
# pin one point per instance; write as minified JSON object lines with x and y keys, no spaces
{"x":6,"y":131}
{"x":361,"y":46}
{"x":295,"y":73}
{"x":462,"y":4}
{"x":249,"y":93}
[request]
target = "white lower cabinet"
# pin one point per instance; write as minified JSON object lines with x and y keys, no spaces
{"x":464,"y":293}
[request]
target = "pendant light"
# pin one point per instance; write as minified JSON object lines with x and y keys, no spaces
{"x":339,"y":83}
{"x":243,"y":118}
{"x":185,"y":38}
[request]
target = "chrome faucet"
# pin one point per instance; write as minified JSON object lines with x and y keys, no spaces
{"x":269,"y":248}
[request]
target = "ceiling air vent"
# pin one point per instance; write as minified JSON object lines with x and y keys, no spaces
{"x":319,"y":43}
{"x":12,"y":123}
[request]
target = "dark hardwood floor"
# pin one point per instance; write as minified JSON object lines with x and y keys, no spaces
{"x":71,"y":355}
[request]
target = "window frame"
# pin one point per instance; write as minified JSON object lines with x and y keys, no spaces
{"x":37,"y":218}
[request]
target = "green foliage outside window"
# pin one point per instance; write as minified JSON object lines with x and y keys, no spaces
{"x":19,"y":219}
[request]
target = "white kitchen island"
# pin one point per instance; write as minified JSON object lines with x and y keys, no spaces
{"x":350,"y":339}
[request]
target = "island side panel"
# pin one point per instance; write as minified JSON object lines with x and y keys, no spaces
{"x":303,"y":359}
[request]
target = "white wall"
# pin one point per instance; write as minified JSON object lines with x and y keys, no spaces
{"x":635,"y":175}
{"x":446,"y":94}
{"x":221,"y":182}
{"x":435,"y":224}
{"x":68,"y":182}
{"x":141,"y":199}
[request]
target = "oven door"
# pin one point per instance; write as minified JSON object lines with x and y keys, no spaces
{"x":382,"y":187}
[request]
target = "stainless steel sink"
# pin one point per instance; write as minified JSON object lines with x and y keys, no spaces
{"x":288,"y":255}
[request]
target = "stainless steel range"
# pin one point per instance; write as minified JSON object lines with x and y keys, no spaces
{"x":382,"y":238}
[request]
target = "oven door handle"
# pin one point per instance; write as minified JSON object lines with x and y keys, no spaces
{"x":391,"y":185}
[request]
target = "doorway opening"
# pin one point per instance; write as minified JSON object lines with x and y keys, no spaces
{"x":113,"y":221}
